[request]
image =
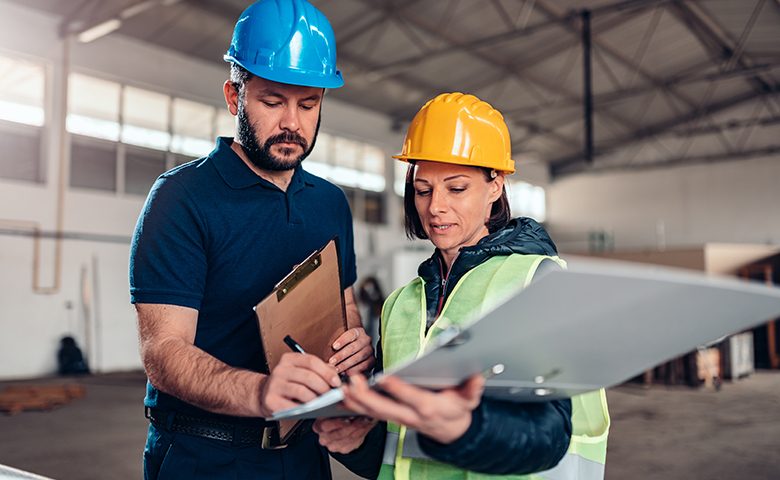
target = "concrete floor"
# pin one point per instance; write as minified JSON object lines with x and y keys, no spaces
{"x":657,"y":433}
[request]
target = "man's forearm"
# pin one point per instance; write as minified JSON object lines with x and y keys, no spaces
{"x":353,"y":313}
{"x":192,"y":375}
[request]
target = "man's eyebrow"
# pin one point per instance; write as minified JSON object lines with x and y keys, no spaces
{"x":273,"y":93}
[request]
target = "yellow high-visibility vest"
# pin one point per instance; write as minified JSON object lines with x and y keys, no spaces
{"x":404,"y":336}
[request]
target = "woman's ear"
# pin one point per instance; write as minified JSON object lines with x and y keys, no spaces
{"x":496,"y":187}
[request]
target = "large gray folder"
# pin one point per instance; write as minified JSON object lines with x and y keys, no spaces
{"x":594,"y":325}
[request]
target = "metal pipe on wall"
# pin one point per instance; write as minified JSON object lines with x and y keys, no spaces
{"x":32,"y":228}
{"x":587,"y":83}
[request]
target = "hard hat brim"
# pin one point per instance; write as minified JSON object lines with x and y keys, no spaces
{"x":290,"y":77}
{"x":408,"y":159}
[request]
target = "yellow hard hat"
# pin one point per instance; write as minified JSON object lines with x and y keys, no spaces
{"x":460,"y":129}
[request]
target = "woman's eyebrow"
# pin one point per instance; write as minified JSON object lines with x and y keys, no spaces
{"x":455,"y":176}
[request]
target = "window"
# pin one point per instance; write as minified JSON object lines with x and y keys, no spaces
{"x":142,"y":167}
{"x":226,"y":123}
{"x":347,"y":163}
{"x":93,"y":164}
{"x":374,"y":207}
{"x":93,"y":107}
{"x":346,"y":154}
{"x":527,"y":200}
{"x":21,"y":91}
{"x":151,"y":124}
{"x":373,"y":177}
{"x":22,"y":87}
{"x":145,"y":118}
{"x":22,"y":157}
{"x":155,"y":126}
{"x":193,"y":126}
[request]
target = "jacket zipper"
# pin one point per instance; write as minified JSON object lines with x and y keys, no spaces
{"x":443,"y":290}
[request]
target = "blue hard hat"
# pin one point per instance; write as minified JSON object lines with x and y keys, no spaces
{"x":286,"y":41}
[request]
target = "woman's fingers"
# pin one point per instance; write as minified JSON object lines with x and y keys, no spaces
{"x":353,"y":349}
{"x":359,"y":398}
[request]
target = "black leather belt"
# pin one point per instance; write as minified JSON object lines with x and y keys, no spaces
{"x":265,"y":435}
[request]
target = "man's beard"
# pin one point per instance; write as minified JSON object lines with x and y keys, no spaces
{"x":261,"y":156}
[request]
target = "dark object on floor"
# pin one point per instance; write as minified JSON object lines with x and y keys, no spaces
{"x":70,"y":360}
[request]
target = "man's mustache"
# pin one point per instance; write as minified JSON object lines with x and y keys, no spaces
{"x":287,"y":137}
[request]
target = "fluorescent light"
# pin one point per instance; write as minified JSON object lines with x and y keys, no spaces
{"x":99,"y":30}
{"x":134,"y":10}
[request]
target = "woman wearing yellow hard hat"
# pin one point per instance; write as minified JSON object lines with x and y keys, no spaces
{"x":459,"y":151}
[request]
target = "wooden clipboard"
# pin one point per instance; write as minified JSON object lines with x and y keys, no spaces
{"x":308,"y":305}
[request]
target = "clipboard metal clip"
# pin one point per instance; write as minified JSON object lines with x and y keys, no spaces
{"x":293,"y":279}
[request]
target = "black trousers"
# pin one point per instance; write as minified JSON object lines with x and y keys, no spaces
{"x":172,"y":455}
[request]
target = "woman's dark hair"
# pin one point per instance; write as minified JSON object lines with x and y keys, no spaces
{"x":500,"y":215}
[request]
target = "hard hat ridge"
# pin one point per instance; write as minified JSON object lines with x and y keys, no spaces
{"x":286,"y":41}
{"x":460,"y":129}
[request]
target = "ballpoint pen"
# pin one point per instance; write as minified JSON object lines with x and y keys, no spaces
{"x":296,"y":347}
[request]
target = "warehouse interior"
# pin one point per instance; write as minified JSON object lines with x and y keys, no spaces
{"x":642,"y":130}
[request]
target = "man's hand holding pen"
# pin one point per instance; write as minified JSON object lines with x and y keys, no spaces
{"x":296,"y":379}
{"x":300,"y":378}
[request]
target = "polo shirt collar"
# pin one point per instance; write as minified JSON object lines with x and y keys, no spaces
{"x":238,"y":175}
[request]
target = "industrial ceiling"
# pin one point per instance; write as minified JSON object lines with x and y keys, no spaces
{"x":672,"y":82}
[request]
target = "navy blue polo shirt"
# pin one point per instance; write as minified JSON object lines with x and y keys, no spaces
{"x":216,"y":237}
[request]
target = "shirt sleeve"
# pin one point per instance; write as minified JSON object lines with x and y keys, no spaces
{"x":167,"y":253}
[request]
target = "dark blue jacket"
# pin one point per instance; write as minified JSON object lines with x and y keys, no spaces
{"x":504,"y":437}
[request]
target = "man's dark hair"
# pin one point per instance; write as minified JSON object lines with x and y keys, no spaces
{"x":500,"y":214}
{"x":239,"y":76}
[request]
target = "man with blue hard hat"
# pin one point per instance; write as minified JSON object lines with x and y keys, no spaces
{"x":214,"y":237}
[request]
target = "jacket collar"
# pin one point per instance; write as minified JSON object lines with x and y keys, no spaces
{"x":521,"y":235}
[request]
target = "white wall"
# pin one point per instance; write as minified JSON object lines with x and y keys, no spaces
{"x":737,"y":201}
{"x":92,"y":301}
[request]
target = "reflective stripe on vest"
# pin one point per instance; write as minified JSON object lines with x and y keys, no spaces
{"x":480,"y":289}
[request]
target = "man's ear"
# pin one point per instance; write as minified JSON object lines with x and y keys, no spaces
{"x":230,"y":90}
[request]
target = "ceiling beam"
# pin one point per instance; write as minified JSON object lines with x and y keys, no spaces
{"x":497,"y":62}
{"x":391,"y":68}
{"x":625,"y":93}
{"x":728,"y":125}
{"x":673,"y":162}
{"x":221,"y":8}
{"x":108,"y":21}
{"x":629,"y":9}
{"x":564,"y":163}
{"x":383,"y":14}
{"x":429,"y":90}
{"x":719,"y":43}
{"x":576,"y":30}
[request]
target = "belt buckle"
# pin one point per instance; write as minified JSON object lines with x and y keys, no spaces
{"x":271,"y":439}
